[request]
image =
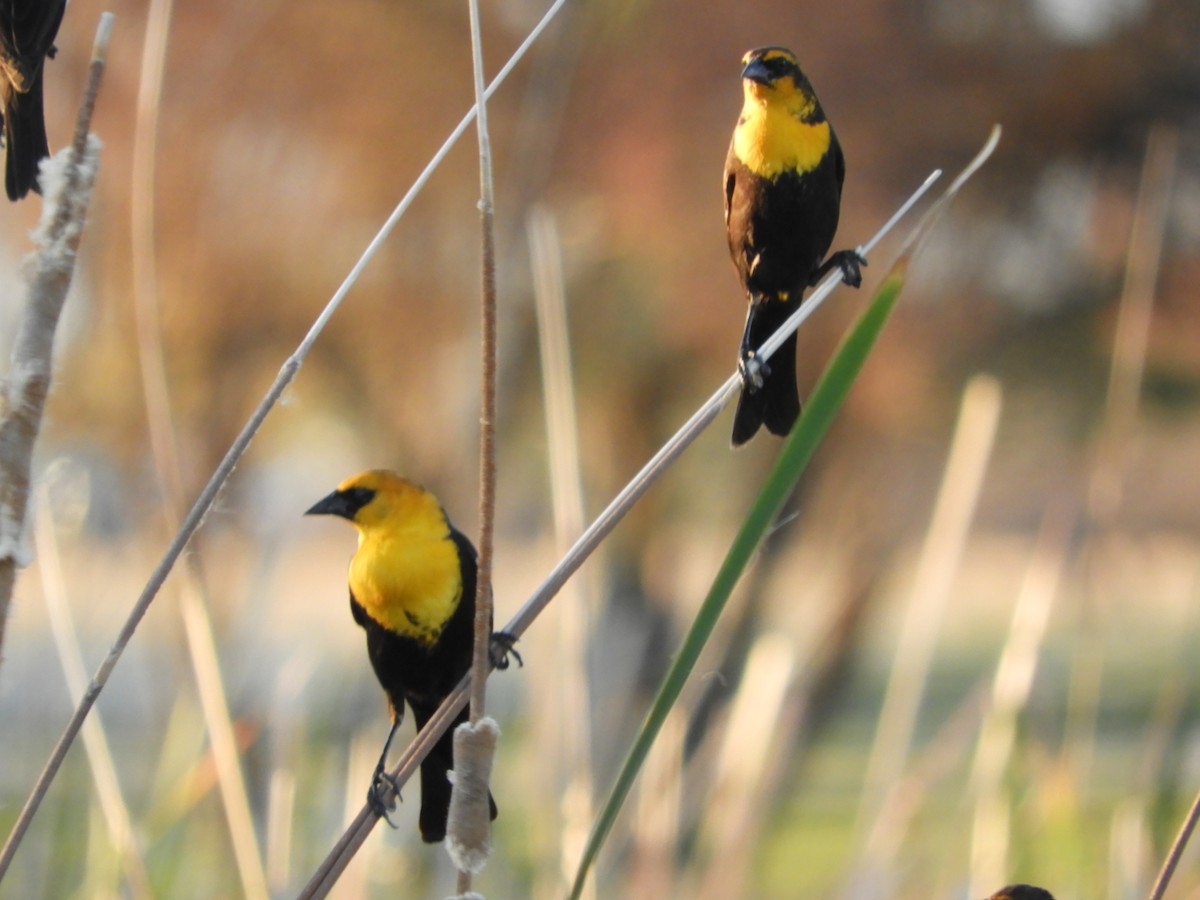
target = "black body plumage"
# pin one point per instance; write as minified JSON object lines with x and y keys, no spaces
{"x":422,"y":675}
{"x":27,"y":32}
{"x":781,"y":214}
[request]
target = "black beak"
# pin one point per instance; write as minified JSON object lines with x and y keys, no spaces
{"x":756,"y":70}
{"x":336,"y":504}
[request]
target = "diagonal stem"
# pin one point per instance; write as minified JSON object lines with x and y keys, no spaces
{"x":208,"y":494}
{"x":343,"y":851}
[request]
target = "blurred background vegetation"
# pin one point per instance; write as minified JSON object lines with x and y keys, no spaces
{"x":288,"y":132}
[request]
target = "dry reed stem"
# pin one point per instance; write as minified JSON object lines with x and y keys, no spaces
{"x":1131,"y":845}
{"x":327,"y":872}
{"x":23,"y":392}
{"x":1010,"y":693}
{"x":1143,"y":260}
{"x":95,"y":740}
{"x":1114,"y":437}
{"x":1176,"y":852}
{"x":207,"y":496}
{"x":745,"y":768}
{"x":487,"y":417}
{"x":69,"y":176}
{"x":945,"y":750}
{"x":468,"y":828}
{"x":1125,"y":377}
{"x":940,"y":558}
{"x":654,"y":828}
{"x":165,"y":451}
{"x":569,"y":691}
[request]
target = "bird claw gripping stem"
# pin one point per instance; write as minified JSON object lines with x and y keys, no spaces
{"x":752,"y":370}
{"x":849,"y":261}
{"x":503,"y":646}
{"x":379,"y":782}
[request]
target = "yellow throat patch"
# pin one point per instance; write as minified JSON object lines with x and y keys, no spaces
{"x":772,"y":136}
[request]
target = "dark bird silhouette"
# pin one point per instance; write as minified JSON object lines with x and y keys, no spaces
{"x":1022,"y":892}
{"x":27,"y":32}
{"x":783,"y":194}
{"x":412,"y":589}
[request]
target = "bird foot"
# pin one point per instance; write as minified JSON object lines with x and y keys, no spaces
{"x":753,"y":371}
{"x":380,"y":782}
{"x":850,"y":262}
{"x":501,"y":648}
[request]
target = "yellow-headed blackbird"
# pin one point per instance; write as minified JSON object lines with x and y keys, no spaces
{"x":1021,"y":892}
{"x":27,"y":32}
{"x":783,"y":193}
{"x":412,"y":588}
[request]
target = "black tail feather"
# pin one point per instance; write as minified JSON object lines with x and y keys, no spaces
{"x":435,"y":781}
{"x":777,"y":403}
{"x":25,"y":141}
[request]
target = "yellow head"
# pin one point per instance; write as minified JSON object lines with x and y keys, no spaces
{"x":407,"y":573}
{"x":781,"y":127}
{"x":379,"y":499}
{"x":771,"y":77}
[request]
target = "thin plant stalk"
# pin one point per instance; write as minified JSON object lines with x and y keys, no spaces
{"x":1130,"y":341}
{"x":683,"y":438}
{"x":941,"y":555}
{"x":95,"y":739}
{"x":487,"y":417}
{"x":745,"y":768}
{"x":208,"y":494}
{"x":1176,"y":852}
{"x":1010,"y":693}
{"x":728,"y":838}
{"x":327,"y":872}
{"x":1134,"y":314}
{"x":281,"y":819}
{"x":1130,"y":845}
{"x":655,"y":826}
{"x":24,"y":390}
{"x":458,"y":827}
{"x":194,"y":596}
{"x":1114,"y":437}
{"x":566,"y":494}
{"x":67,"y":200}
{"x":798,"y":448}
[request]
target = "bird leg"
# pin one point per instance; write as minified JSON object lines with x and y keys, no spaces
{"x":751,"y":369}
{"x":382,"y":779}
{"x":849,"y":261}
{"x":501,"y":648}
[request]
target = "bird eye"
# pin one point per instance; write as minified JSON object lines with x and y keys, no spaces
{"x":360,"y":497}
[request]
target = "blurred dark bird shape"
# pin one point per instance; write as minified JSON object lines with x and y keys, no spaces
{"x":412,"y":589}
{"x":27,"y":32}
{"x":1021,"y":892}
{"x":783,"y":194}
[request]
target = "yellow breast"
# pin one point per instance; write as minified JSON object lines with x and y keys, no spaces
{"x":770,"y":140}
{"x":409,"y":583}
